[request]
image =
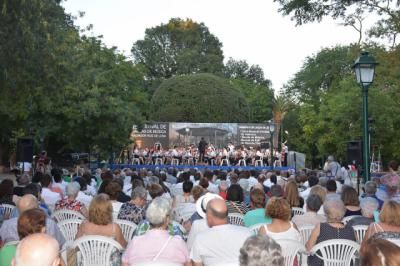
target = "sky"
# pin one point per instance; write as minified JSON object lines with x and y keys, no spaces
{"x":250,"y":30}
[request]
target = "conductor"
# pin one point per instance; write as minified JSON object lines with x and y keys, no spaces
{"x":202,"y":149}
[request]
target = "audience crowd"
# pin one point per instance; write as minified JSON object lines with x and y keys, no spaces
{"x":201,"y":217}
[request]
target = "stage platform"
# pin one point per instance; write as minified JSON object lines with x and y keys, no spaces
{"x":211,"y":167}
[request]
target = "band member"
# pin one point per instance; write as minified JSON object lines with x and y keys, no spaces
{"x":202,"y":149}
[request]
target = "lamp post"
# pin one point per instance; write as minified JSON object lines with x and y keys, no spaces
{"x":364,"y":67}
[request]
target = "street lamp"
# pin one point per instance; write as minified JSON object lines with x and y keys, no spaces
{"x":365,"y":69}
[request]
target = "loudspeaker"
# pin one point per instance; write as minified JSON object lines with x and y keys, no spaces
{"x":354,"y":152}
{"x":25,"y":150}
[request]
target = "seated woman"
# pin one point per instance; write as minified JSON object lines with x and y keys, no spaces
{"x":29,"y":222}
{"x":333,"y":229}
{"x":292,"y":195}
{"x":234,"y":200}
{"x":351,"y":201}
{"x":70,"y":202}
{"x":134,"y":210}
{"x":281,"y":227}
{"x":112,"y":190}
{"x":157,"y":244}
{"x":389,"y":225}
{"x":100,"y":221}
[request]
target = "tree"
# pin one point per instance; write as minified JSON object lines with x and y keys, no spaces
{"x":281,"y":105}
{"x":305,"y":11}
{"x":198,"y":98}
{"x":179,"y":47}
{"x":71,"y":91}
{"x":255,"y":87}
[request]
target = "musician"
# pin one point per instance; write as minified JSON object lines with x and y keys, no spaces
{"x":202,"y":149}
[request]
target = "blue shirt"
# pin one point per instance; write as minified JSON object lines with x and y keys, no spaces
{"x":256,"y":216}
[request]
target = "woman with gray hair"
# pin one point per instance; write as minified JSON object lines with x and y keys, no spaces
{"x":332,"y":229}
{"x":260,"y":251}
{"x":69,"y":202}
{"x":134,"y":210}
{"x":156,"y":245}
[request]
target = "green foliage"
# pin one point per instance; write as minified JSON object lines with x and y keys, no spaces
{"x":179,"y":47}
{"x":337,"y":119}
{"x":198,"y":98}
{"x":387,"y":26}
{"x":70,"y":90}
{"x":255,"y":87}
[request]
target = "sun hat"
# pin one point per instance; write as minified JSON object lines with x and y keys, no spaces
{"x":201,"y":203}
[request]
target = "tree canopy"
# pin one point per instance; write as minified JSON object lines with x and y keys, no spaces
{"x":198,"y":98}
{"x":387,"y":26}
{"x":179,"y":47}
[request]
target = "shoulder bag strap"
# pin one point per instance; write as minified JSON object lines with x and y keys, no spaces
{"x":163,"y":248}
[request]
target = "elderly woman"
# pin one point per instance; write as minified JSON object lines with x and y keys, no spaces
{"x":29,"y":222}
{"x":333,"y":229}
{"x":389,"y":225}
{"x":156,"y":245}
{"x":260,"y":250}
{"x":70,"y":202}
{"x":100,"y":221}
{"x":311,"y":216}
{"x":380,"y":252}
{"x":281,"y":227}
{"x":350,"y":199}
{"x":134,"y":210}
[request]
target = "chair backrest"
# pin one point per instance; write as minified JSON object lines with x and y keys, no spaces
{"x":336,"y":252}
{"x":297,"y":211}
{"x":127,"y":227}
{"x":255,"y":227}
{"x":346,"y":219}
{"x":156,"y":263}
{"x":290,"y":250}
{"x":69,"y":228}
{"x":6,"y":210}
{"x":235,"y":218}
{"x":360,"y":231}
{"x":305,"y":232}
{"x":94,"y":250}
{"x":61,"y":215}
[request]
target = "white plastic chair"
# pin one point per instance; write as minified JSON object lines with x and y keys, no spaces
{"x":336,"y":252}
{"x":94,"y":250}
{"x":7,"y":209}
{"x":255,"y":227}
{"x":360,"y":231}
{"x":127,"y":227}
{"x":69,"y":228}
{"x":61,"y":215}
{"x":346,"y":219}
{"x":224,"y":161}
{"x":291,"y":250}
{"x":156,"y":263}
{"x":305,"y":232}
{"x":297,"y":211}
{"x":235,"y":218}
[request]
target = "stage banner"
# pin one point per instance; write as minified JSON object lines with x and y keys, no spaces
{"x":253,"y":134}
{"x":215,"y":134}
{"x":151,"y":134}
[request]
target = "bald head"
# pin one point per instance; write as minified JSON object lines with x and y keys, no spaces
{"x":27,"y":202}
{"x":37,"y":249}
{"x":217,"y":212}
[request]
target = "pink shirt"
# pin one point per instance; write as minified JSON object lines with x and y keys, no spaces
{"x":146,"y":247}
